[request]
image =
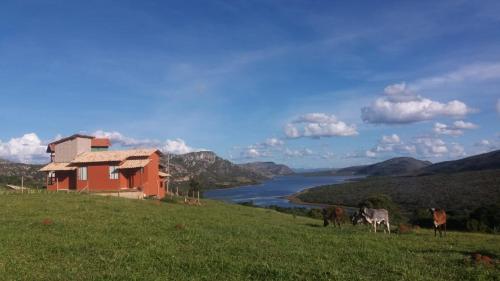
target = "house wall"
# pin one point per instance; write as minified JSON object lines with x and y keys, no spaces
{"x":98,"y":178}
{"x":152,"y":186}
{"x":67,"y":151}
{"x":65,"y":180}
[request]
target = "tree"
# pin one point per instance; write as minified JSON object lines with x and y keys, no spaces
{"x":194,"y":185}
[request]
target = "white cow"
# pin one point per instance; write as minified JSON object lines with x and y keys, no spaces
{"x":376,"y":217}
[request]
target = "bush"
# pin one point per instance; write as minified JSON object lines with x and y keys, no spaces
{"x":485,"y":219}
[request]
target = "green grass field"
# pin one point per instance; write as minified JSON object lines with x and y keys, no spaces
{"x":100,"y":238}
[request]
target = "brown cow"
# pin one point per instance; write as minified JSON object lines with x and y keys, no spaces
{"x":439,"y":219}
{"x":335,"y":215}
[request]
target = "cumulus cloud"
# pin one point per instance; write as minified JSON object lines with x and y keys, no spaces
{"x":317,"y":125}
{"x":273,"y":142}
{"x":430,"y":147}
{"x":175,"y":146}
{"x":265,"y":148}
{"x":424,"y":147}
{"x":456,"y":129}
{"x":298,"y":152}
{"x":485,"y":145}
{"x":118,"y":138}
{"x":400,"y":106}
{"x":291,"y":131}
{"x":26,"y":149}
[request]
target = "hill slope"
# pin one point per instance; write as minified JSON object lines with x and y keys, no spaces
{"x":485,"y":161}
{"x":459,"y":191}
{"x":11,"y":173}
{"x":211,"y":170}
{"x":391,"y":167}
{"x":80,"y":237}
{"x":268,"y":169}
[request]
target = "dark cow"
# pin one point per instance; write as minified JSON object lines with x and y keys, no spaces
{"x":357,"y":218}
{"x":439,"y":220}
{"x":334,"y":215}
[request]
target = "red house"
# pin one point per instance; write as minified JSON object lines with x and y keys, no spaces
{"x":84,"y":163}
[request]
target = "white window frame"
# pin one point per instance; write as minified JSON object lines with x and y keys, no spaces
{"x":82,"y":173}
{"x":113,"y":173}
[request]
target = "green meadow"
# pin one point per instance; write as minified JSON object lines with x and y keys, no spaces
{"x":48,"y":236}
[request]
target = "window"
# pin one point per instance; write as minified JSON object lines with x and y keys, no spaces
{"x":82,"y":173}
{"x":52,"y":177}
{"x":113,"y":172}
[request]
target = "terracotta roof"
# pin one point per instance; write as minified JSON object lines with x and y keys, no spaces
{"x":163,"y":175}
{"x":112,"y":156}
{"x":134,"y":163}
{"x":54,"y":166}
{"x":100,"y":142}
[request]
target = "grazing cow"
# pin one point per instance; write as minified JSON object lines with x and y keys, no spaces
{"x":439,"y":219}
{"x":375,"y":217}
{"x":357,"y":218}
{"x":336,"y":216}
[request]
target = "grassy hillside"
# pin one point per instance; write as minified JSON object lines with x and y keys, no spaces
{"x":80,"y":237}
{"x":467,"y":190}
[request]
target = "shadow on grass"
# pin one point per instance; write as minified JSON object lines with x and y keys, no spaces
{"x":463,"y":253}
{"x":314,"y":225}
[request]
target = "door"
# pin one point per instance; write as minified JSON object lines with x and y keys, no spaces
{"x":130,"y":179}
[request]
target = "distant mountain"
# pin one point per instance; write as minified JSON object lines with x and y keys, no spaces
{"x":11,"y":173}
{"x":211,"y":170}
{"x":391,"y":167}
{"x":485,"y":161}
{"x":268,"y":169}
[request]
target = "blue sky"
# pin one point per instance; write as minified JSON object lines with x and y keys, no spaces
{"x":306,"y":83}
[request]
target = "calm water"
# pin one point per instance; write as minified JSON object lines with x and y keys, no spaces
{"x":272,"y":192}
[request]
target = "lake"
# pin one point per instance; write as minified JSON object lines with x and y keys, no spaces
{"x":272,"y":192}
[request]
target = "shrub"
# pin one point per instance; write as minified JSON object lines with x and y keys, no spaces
{"x":485,"y":219}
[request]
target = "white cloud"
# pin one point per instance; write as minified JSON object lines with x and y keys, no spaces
{"x":317,"y":125}
{"x":251,"y":152}
{"x":457,"y":150}
{"x":118,"y":138}
{"x":420,"y":147}
{"x":464,"y":125}
{"x":409,"y":109}
{"x":396,"y":89}
{"x":457,"y":129}
{"x":474,"y":72}
{"x":273,"y":142}
{"x":291,"y":131}
{"x":298,"y":152}
{"x":370,"y":154}
{"x":177,"y":146}
{"x":430,"y":147}
{"x":391,"y":139}
{"x":26,"y":149}
{"x":485,"y":145}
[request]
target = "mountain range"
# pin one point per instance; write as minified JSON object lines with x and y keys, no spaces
{"x":215,"y":172}
{"x":391,"y":167}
